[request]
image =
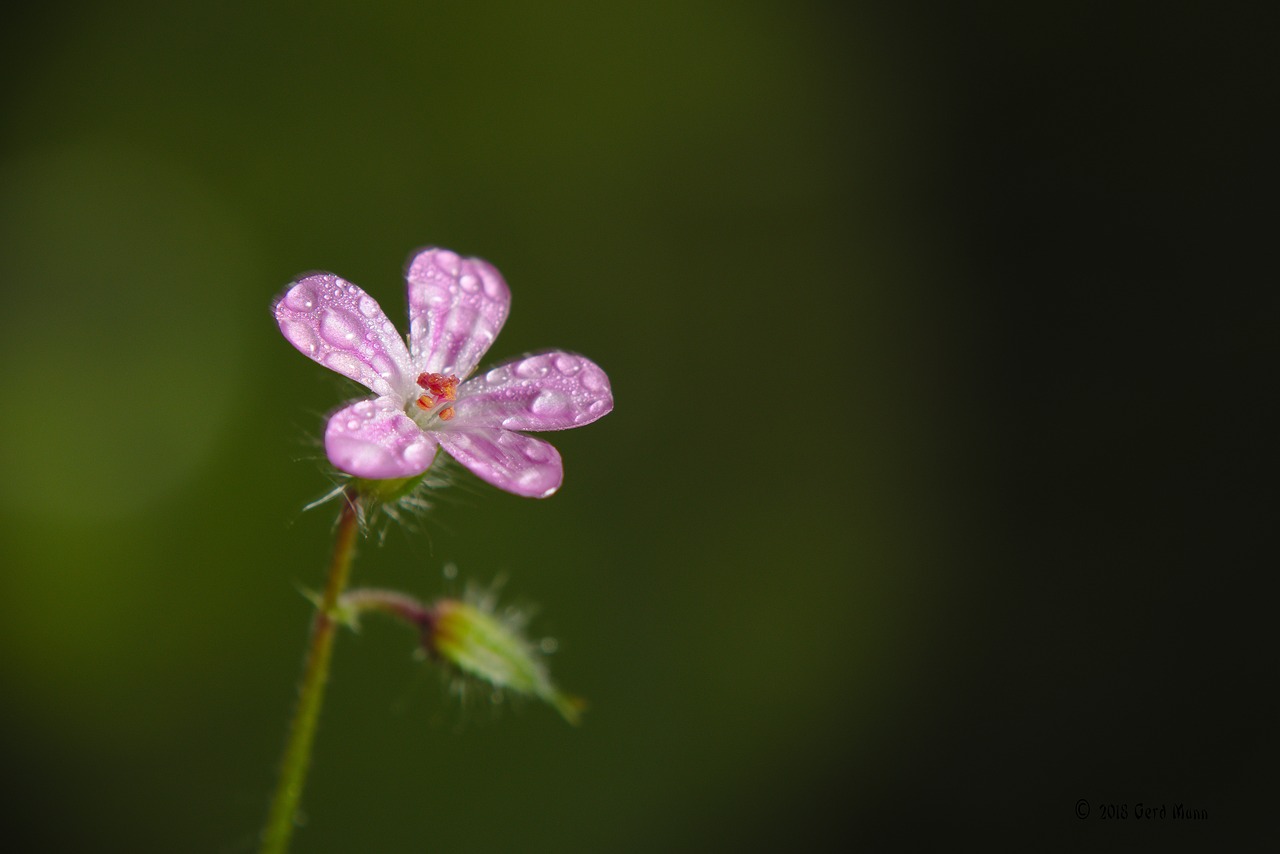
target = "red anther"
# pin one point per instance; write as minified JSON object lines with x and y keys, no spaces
{"x":440,"y":386}
{"x":449,"y":388}
{"x":446,"y":413}
{"x":425,"y":402}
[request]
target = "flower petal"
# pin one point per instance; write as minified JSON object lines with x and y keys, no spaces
{"x":547,"y":391}
{"x":343,"y":328}
{"x":511,"y":461}
{"x":376,"y":440}
{"x":456,"y":308}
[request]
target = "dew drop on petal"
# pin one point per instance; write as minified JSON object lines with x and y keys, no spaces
{"x":598,"y":408}
{"x":496,"y":376}
{"x":300,"y":334}
{"x":492,"y":289}
{"x":337,"y":329}
{"x":595,"y":380}
{"x":469,"y":283}
{"x":343,"y":363}
{"x":447,"y":261}
{"x":417,"y":454}
{"x":368,"y":306}
{"x":550,"y":403}
{"x":567,"y":365}
{"x":380,"y":363}
{"x":301,"y":297}
{"x":532,"y":368}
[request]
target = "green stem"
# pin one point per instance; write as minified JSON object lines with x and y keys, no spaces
{"x":302,"y":730}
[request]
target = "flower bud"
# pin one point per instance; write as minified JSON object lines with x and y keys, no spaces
{"x":479,"y":644}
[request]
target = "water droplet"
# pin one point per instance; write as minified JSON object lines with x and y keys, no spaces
{"x":380,"y":363}
{"x":598,"y":408}
{"x":447,"y":261}
{"x":368,"y":306}
{"x":417,"y":454}
{"x":353,"y":424}
{"x":595,"y":380}
{"x":532,"y":368}
{"x":496,"y":376}
{"x":550,"y":404}
{"x":337,"y":328}
{"x":469,"y":283}
{"x":493,"y":287}
{"x":567,"y":365}
{"x":343,"y":363}
{"x":300,"y":334}
{"x":300,"y":297}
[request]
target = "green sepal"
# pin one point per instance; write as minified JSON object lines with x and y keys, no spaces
{"x":387,"y":491}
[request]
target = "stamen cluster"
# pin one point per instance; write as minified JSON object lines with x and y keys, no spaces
{"x":438,"y":389}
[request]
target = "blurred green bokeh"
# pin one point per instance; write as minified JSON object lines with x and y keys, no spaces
{"x":751,"y":567}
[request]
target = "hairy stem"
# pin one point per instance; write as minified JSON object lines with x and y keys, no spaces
{"x":302,"y":730}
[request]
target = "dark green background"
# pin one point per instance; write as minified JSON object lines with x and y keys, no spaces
{"x":932,"y":503}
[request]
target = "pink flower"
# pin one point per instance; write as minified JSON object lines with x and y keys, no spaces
{"x":456,"y":308}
